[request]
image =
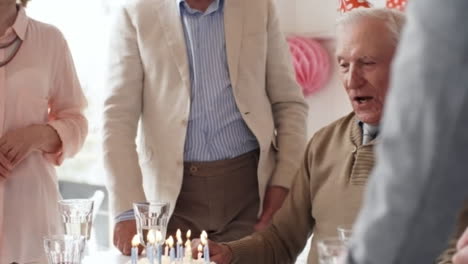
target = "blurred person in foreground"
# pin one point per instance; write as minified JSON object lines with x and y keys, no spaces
{"x":420,"y":180}
{"x":41,"y":124}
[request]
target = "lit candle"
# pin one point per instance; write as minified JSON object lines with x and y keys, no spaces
{"x":159,"y":242}
{"x":150,"y":246}
{"x":166,"y":250}
{"x":206,"y":249}
{"x":188,"y":246}
{"x":188,"y":250}
{"x":200,"y":249}
{"x":135,"y":243}
{"x":179,"y":244}
{"x":171,"y":250}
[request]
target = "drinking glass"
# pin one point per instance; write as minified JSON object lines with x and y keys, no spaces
{"x":151,"y":216}
{"x":331,"y":251}
{"x":64,"y":249}
{"x":77,"y":216}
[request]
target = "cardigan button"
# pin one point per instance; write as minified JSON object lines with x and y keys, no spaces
{"x":355,"y":149}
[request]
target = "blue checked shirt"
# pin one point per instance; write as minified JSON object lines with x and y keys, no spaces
{"x":216,"y":130}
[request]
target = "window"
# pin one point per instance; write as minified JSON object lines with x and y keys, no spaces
{"x":85,"y":25}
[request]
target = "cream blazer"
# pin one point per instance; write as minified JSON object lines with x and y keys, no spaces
{"x":148,"y":84}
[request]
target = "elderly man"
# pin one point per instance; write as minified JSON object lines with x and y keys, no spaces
{"x":328,"y":190}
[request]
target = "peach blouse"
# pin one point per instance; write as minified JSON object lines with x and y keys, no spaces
{"x":39,"y":86}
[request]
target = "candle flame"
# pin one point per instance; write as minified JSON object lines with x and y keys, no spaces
{"x":203,"y":240}
{"x":170,"y":241}
{"x":159,"y":237}
{"x":204,"y":234}
{"x":189,"y":234}
{"x":135,"y":241}
{"x":200,"y":248}
{"x":151,"y":237}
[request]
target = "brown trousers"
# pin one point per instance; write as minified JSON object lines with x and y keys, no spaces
{"x":220,"y":197}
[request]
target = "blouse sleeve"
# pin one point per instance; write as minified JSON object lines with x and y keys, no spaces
{"x":67,"y":103}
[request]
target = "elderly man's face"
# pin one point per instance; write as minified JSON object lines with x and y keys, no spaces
{"x":364,"y":52}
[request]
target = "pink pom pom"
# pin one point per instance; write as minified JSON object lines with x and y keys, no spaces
{"x":311,"y":63}
{"x":397,"y":4}
{"x":348,"y":5}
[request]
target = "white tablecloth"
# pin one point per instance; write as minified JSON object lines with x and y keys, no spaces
{"x":115,"y":257}
{"x":109,"y":257}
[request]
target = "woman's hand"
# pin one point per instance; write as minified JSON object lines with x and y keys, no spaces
{"x":16,"y":145}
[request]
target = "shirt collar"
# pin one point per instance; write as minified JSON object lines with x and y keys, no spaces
{"x":214,"y":6}
{"x":371,"y":130}
{"x":371,"y":127}
{"x":21,"y":23}
{"x":357,"y":131}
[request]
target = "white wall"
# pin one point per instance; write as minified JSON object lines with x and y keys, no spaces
{"x":317,"y":18}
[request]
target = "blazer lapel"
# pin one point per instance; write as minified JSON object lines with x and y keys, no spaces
{"x":233,"y":27}
{"x":170,"y":19}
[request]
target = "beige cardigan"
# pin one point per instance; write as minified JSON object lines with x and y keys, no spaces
{"x":327,"y":193}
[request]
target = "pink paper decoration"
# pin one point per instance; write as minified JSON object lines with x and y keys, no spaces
{"x":311,"y":62}
{"x":348,"y":5}
{"x":397,"y":4}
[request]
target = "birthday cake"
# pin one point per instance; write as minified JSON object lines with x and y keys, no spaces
{"x":172,"y":253}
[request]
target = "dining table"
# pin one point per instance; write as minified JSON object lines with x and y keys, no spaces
{"x":106,"y":257}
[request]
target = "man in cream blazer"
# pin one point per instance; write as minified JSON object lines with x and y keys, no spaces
{"x":152,"y":80}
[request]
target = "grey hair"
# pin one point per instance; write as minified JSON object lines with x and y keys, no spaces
{"x":394,"y":19}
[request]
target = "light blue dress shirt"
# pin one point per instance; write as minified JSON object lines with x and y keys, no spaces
{"x":216,"y":130}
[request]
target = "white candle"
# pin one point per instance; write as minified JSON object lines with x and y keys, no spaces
{"x":151,"y":239}
{"x":135,"y":243}
{"x":166,"y":249}
{"x":189,"y":234}
{"x":179,"y":244}
{"x":159,"y":242}
{"x":188,"y":250}
{"x":200,"y":249}
{"x":171,"y":250}
{"x":188,"y":246}
{"x":206,"y":249}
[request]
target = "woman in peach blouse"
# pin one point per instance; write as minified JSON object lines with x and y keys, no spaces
{"x":41,"y":124}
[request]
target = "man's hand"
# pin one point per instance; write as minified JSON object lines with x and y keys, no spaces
{"x":219,"y":253}
{"x":123,"y":234}
{"x":16,"y":145}
{"x":274,"y":198}
{"x":462,"y":246}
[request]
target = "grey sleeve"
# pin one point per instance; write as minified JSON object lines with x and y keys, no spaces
{"x":421,"y":177}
